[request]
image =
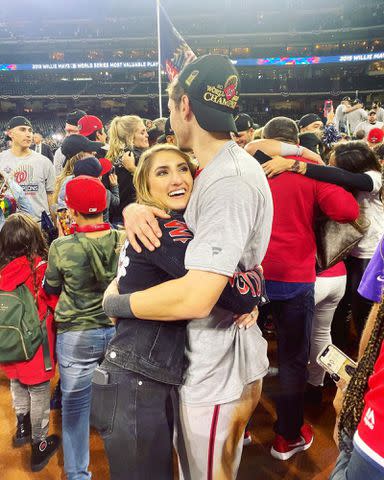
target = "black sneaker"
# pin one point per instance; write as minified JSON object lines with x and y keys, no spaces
{"x":42,"y":451}
{"x":23,"y":431}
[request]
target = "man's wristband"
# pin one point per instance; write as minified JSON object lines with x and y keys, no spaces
{"x":288,"y":149}
{"x":117,"y":305}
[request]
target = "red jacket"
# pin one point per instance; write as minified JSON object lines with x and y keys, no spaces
{"x":370,"y":429}
{"x":297,"y":199}
{"x":19,"y":272}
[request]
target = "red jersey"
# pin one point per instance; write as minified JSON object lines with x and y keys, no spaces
{"x":297,"y":200}
{"x":369,"y":437}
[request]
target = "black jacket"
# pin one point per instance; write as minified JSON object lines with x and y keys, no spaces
{"x":156,"y":349}
{"x":126,"y":189}
{"x":45,"y":150}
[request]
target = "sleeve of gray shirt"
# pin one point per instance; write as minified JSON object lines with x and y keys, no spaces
{"x":228,"y":209}
{"x":58,"y":161}
{"x":50,"y":177}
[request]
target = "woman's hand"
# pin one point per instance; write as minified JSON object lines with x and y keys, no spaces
{"x":113,"y":180}
{"x":277,"y":165}
{"x":140,"y":223}
{"x":247,"y":320}
{"x":128,"y":161}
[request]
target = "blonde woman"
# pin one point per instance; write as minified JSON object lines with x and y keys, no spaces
{"x":128,"y":138}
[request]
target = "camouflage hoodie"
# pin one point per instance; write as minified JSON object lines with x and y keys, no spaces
{"x":82,"y":267}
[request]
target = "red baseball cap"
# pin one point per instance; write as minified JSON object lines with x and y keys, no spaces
{"x":106,"y":165}
{"x":86,"y":195}
{"x":375,"y":135}
{"x":89,"y":124}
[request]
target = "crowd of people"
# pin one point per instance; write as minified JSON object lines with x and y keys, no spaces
{"x":155,"y":253}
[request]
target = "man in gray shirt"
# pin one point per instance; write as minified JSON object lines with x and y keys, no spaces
{"x":32,"y":171}
{"x":369,"y":124}
{"x":230,"y":213}
{"x":354,"y":117}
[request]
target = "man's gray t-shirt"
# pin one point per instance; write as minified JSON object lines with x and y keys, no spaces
{"x":34,"y":173}
{"x":355,"y":117}
{"x":230,"y":214}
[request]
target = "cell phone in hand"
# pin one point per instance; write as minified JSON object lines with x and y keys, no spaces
{"x":65,"y":220}
{"x":334,"y":361}
{"x":112,"y":171}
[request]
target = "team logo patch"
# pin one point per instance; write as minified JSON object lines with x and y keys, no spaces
{"x":230,"y":87}
{"x":225,"y":96}
{"x":43,"y":445}
{"x":369,"y":419}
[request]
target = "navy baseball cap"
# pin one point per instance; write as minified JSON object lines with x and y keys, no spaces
{"x":211,"y":83}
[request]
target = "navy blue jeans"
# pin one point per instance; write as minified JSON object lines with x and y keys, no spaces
{"x":134,"y":415}
{"x":293,"y":320}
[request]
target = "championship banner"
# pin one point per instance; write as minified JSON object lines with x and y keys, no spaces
{"x":175,"y":53}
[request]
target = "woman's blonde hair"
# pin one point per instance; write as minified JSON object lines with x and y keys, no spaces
{"x":141,"y":175}
{"x":121,"y":133}
{"x":66,"y":172}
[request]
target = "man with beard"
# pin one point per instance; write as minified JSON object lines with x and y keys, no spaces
{"x":369,"y":124}
{"x":245,"y":129}
{"x":311,"y":132}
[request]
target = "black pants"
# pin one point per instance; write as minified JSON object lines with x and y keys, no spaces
{"x":293,"y":320}
{"x":352,"y":301}
{"x":134,"y":416}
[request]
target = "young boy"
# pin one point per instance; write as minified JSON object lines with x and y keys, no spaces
{"x":80,"y":266}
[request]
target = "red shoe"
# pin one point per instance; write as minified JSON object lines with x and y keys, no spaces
{"x":247,"y":438}
{"x":282,"y":449}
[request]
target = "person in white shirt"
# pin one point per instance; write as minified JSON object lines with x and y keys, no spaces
{"x":367,"y":125}
{"x":32,"y":171}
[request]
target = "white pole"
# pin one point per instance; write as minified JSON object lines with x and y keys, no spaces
{"x":159,"y":57}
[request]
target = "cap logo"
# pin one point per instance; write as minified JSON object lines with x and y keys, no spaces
{"x":92,"y":210}
{"x":230,"y":87}
{"x":191,"y":77}
{"x":218,"y":95}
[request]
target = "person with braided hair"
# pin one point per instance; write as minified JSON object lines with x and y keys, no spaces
{"x":361,"y":424}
